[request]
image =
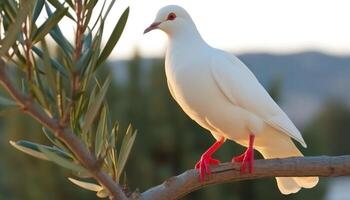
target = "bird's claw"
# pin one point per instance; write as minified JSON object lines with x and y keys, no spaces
{"x":203,"y":166}
{"x":246,"y":159}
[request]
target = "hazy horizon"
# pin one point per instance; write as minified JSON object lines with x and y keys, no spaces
{"x":239,"y":26}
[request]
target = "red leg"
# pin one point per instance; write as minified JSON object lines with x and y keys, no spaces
{"x":247,"y":158}
{"x":203,"y":165}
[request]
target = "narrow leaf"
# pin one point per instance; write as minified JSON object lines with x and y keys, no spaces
{"x":87,"y":40}
{"x":86,"y":185}
{"x":95,"y":106}
{"x":70,"y":3}
{"x":83,"y":62}
{"x":34,"y":149}
{"x":49,"y":74}
{"x":7,"y":102}
{"x":51,"y":22}
{"x":55,"y":141}
{"x":103,"y":193}
{"x":27,"y":150}
{"x":125,"y":150}
{"x":108,"y":9}
{"x":57,"y":35}
{"x":101,"y":132}
{"x":113,"y":39}
{"x":55,"y":64}
{"x":62,"y":161}
{"x":37,"y":9}
{"x":9,"y":10}
{"x":89,"y":7}
{"x":39,"y":96}
{"x":58,"y":5}
{"x":15,"y":28}
{"x":96,"y":45}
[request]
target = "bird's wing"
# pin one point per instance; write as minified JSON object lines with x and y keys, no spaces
{"x":241,"y":87}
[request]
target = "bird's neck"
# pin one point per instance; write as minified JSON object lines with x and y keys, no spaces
{"x":188,"y":37}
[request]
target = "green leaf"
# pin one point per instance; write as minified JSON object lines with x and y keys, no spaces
{"x":83,"y":61}
{"x":21,"y":62}
{"x":113,"y":39}
{"x":96,"y":45}
{"x":70,"y":3}
{"x":100,"y":191}
{"x":28,"y":150}
{"x":55,"y":64}
{"x":108,"y":10}
{"x":62,"y":161}
{"x":114,"y":134}
{"x":14,"y":29}
{"x":103,"y":193}
{"x":58,"y":6}
{"x":100,"y":18}
{"x":39,"y":96}
{"x":55,"y":141}
{"x":57,"y":35}
{"x":86,"y":185}
{"x":90,"y":8}
{"x":50,"y":23}
{"x":37,"y":9}
{"x":88,"y":53}
{"x":34,"y":149}
{"x":101,"y":132}
{"x":10,"y":10}
{"x":125,"y":150}
{"x":94,"y":106}
{"x":87,"y":40}
{"x":112,"y":143}
{"x":49,"y":74}
{"x":7,"y":102}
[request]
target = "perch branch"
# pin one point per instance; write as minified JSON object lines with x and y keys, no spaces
{"x":178,"y":186}
{"x":64,"y":134}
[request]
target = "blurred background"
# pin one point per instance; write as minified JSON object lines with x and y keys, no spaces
{"x":299,"y":50}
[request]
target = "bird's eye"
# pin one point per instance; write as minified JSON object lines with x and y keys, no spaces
{"x":171,"y":16}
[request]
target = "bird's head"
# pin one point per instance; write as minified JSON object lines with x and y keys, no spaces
{"x":170,"y":19}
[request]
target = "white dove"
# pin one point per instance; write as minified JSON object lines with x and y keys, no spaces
{"x":221,"y":94}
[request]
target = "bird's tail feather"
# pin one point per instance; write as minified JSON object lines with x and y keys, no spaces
{"x":288,"y":185}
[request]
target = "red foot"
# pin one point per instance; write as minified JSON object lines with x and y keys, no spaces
{"x":203,"y":165}
{"x":247,"y":158}
{"x":239,"y":158}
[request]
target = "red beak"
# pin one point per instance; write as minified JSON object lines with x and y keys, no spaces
{"x":152,"y":27}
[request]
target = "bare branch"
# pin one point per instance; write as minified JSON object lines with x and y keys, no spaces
{"x":64,"y":134}
{"x":178,"y":186}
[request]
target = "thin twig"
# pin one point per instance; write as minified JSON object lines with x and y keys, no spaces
{"x":75,"y":84}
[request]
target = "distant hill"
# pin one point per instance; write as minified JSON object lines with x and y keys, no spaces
{"x":308,"y":79}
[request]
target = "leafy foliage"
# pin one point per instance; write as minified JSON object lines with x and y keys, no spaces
{"x":65,"y":85}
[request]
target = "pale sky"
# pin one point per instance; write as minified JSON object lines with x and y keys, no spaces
{"x":277,"y":26}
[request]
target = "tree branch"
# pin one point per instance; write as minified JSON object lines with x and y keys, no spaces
{"x":64,"y":134}
{"x":178,"y":186}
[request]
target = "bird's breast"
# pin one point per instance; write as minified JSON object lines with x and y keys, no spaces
{"x":192,"y":85}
